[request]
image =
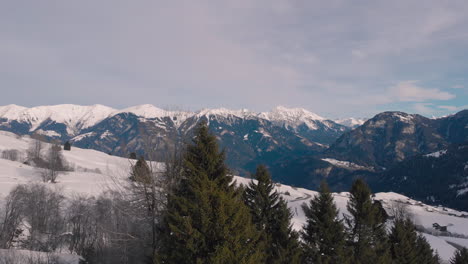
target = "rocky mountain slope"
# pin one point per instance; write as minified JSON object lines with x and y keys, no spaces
{"x":391,"y":137}
{"x":437,"y":178}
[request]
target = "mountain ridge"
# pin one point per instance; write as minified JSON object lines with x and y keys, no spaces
{"x":250,"y":137}
{"x":58,"y":113}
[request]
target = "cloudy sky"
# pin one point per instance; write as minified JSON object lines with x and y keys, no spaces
{"x":336,"y":58}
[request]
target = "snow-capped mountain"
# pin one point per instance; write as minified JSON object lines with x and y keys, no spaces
{"x":73,"y":117}
{"x":351,"y":122}
{"x":77,"y":118}
{"x":383,"y":150}
{"x":250,"y":137}
{"x":292,"y":117}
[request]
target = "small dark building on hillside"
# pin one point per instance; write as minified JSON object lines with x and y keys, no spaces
{"x":67,"y":146}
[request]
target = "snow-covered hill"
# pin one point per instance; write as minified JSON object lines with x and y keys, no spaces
{"x":95,"y":172}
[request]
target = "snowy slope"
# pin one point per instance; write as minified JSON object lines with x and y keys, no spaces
{"x":292,"y":117}
{"x":149,"y":111}
{"x":27,"y":256}
{"x":95,"y":172}
{"x":75,"y":117}
{"x":351,"y":122}
{"x":224,"y":112}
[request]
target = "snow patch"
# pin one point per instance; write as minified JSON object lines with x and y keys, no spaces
{"x":48,"y":133}
{"x":437,"y":154}
{"x":83,"y":136}
{"x":346,"y":164}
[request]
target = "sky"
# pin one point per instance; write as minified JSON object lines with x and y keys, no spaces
{"x":335,"y":58}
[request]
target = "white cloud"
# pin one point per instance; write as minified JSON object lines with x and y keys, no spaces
{"x":410,"y":91}
{"x":458,"y":86}
{"x":432,"y":109}
{"x":423,"y":108}
{"x":452,"y":107}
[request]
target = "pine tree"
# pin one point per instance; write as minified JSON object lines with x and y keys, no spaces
{"x":407,"y":246}
{"x":425,"y":252}
{"x":207,"y":221}
{"x":272,"y":218}
{"x":461,"y":257}
{"x":368,"y":237}
{"x":323,"y":234}
{"x":403,"y":240}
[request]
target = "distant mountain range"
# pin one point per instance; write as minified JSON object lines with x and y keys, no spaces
{"x":393,"y":151}
{"x":249,"y":138}
{"x":300,"y":147}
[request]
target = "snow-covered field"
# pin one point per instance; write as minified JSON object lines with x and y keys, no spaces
{"x":95,"y":172}
{"x":27,"y":256}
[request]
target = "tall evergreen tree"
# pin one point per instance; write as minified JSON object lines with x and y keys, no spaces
{"x":324,"y":234}
{"x":407,"y":246}
{"x":368,"y":237}
{"x":272,"y":217}
{"x":461,"y":257}
{"x":425,"y":252}
{"x":403,"y":239}
{"x":207,"y":221}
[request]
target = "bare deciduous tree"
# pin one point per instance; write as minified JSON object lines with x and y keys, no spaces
{"x":10,"y":154}
{"x":83,"y":226}
{"x":11,"y":217}
{"x":40,"y":209}
{"x":399,"y":210}
{"x":149,"y":186}
{"x":35,"y":147}
{"x":55,"y":164}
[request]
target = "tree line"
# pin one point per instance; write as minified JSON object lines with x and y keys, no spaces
{"x":193,"y":212}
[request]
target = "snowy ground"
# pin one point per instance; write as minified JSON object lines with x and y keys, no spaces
{"x":95,"y":171}
{"x":27,"y":256}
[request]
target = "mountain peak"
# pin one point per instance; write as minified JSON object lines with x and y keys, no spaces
{"x":293,"y":117}
{"x":74,"y":116}
{"x":146,"y":111}
{"x":401,"y":116}
{"x":351,"y":122}
{"x":224,"y":112}
{"x":10,"y":110}
{"x":294,"y":113}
